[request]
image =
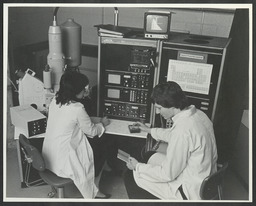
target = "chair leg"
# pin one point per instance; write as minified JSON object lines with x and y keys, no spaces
{"x":52,"y":193}
{"x":60,"y":192}
{"x":220,"y":192}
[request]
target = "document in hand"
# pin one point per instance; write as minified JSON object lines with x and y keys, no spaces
{"x":123,"y":156}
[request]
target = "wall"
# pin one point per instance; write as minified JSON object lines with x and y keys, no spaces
{"x":234,"y":97}
{"x":28,"y":25}
{"x":240,"y":158}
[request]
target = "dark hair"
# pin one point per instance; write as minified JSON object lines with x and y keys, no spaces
{"x":169,"y":95}
{"x":71,"y":84}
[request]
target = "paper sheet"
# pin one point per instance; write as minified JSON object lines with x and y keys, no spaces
{"x":192,"y":77}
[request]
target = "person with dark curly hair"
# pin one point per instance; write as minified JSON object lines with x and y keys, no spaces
{"x":66,"y":149}
{"x":190,"y":155}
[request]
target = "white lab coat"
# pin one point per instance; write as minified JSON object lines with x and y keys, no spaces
{"x":191,"y":156}
{"x":66,"y":149}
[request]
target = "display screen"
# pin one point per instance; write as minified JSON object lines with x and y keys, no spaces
{"x":114,"y":79}
{"x":113,"y":93}
{"x":157,"y":23}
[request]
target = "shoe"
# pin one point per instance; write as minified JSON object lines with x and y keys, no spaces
{"x":107,"y":196}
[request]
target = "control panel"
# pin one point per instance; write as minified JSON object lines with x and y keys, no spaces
{"x":36,"y":127}
{"x":122,"y":109}
{"x":127,"y":73}
{"x":157,"y":36}
{"x":30,"y":121}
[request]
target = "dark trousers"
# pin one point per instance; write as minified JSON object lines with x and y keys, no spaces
{"x":104,"y":149}
{"x":133,"y":190}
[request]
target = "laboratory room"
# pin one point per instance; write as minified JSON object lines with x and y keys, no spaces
{"x":118,"y":102}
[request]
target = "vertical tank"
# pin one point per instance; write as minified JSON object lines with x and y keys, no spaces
{"x":55,"y":57}
{"x":71,"y":37}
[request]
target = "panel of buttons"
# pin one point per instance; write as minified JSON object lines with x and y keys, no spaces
{"x":136,"y":81}
{"x":37,"y":127}
{"x":125,"y":110}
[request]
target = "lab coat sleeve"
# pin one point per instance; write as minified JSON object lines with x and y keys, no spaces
{"x":87,"y":126}
{"x":160,"y":134}
{"x":172,"y":165}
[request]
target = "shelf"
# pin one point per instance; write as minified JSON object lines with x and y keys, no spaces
{"x":123,"y":102}
{"x":130,"y":88}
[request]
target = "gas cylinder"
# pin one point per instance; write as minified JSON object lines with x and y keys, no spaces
{"x":71,"y":38}
{"x":55,"y":58}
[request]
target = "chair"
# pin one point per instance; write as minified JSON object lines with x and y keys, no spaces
{"x":34,"y":158}
{"x":211,"y":188}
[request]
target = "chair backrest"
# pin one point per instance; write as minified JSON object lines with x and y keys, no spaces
{"x":211,"y":188}
{"x":32,"y":153}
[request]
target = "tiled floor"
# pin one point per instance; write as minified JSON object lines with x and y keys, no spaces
{"x":111,"y":184}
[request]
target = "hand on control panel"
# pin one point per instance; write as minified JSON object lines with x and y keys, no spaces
{"x":105,"y":121}
{"x":134,"y":128}
{"x":143,"y":127}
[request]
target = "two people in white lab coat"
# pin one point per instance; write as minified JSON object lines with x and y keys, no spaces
{"x":66,"y":149}
{"x":191,"y":153}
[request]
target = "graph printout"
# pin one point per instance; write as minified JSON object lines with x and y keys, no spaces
{"x":192,"y":77}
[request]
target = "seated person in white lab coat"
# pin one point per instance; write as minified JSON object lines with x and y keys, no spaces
{"x":66,"y":149}
{"x":191,"y":154}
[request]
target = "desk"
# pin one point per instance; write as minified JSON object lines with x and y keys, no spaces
{"x":120,"y":127}
{"x":131,"y":143}
{"x":116,"y":127}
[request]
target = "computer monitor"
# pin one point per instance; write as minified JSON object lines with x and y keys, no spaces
{"x":157,"y":24}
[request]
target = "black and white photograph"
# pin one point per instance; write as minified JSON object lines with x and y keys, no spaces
{"x":127,"y":102}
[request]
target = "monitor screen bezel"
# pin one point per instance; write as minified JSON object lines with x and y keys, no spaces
{"x":168,"y":15}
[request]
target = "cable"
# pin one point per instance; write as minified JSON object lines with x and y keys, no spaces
{"x":16,"y":90}
{"x":55,"y":11}
{"x":55,"y":16}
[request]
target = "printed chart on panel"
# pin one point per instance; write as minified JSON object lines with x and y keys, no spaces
{"x":191,"y":76}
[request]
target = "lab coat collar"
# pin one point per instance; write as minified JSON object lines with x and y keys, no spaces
{"x":184,"y":113}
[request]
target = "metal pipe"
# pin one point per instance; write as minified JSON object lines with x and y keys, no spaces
{"x":116,"y":16}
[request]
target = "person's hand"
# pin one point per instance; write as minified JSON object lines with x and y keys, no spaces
{"x":131,"y":164}
{"x":143,"y":127}
{"x":105,"y":121}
